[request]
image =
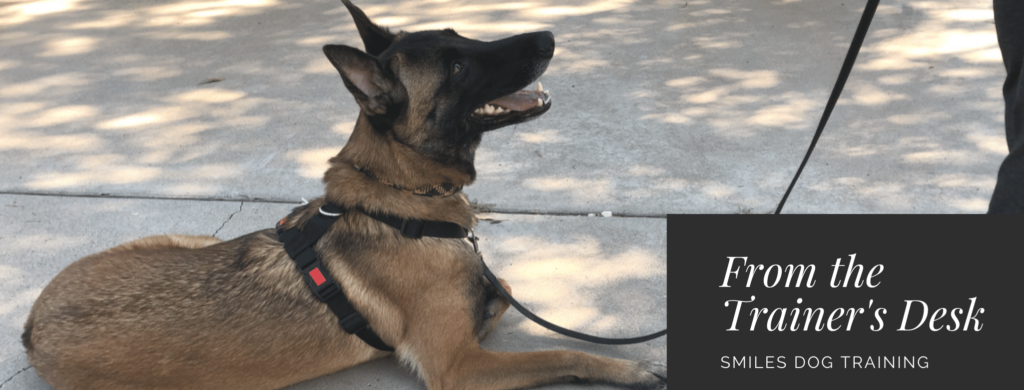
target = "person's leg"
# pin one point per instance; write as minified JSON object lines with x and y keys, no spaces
{"x":1008,"y":197}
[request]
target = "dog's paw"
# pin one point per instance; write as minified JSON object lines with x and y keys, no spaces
{"x":656,"y":377}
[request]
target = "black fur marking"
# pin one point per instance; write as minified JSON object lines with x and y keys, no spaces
{"x":26,"y":337}
{"x":484,"y":294}
{"x":242,"y":261}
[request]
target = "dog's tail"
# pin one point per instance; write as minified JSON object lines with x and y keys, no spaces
{"x":26,"y":337}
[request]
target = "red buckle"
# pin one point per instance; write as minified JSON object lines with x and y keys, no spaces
{"x":317,"y":276}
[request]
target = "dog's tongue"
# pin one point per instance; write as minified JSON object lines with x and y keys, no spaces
{"x":520,"y":101}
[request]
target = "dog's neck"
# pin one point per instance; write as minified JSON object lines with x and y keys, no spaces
{"x":397,"y":173}
{"x":436,"y":191}
{"x":396,"y":163}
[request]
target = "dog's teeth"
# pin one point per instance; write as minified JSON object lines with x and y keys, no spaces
{"x":540,"y":102}
{"x":489,"y":109}
{"x":540,"y":88}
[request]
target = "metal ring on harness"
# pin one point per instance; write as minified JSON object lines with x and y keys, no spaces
{"x":327,"y":214}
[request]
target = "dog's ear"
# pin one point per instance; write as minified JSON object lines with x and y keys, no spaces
{"x":375,"y":38}
{"x":364,"y":76}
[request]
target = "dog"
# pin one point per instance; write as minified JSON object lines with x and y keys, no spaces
{"x":194,"y":312}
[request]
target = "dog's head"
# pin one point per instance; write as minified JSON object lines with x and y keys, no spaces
{"x":436,"y":91}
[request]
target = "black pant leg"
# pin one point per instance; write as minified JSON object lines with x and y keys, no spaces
{"x":1008,"y":197}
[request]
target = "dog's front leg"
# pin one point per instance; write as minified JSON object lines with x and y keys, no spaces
{"x":491,"y":370}
{"x":446,"y":353}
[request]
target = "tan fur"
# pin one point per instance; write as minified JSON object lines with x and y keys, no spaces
{"x":191,"y":312}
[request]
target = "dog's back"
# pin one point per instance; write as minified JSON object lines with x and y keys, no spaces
{"x":165,"y":242}
{"x":182,"y":312}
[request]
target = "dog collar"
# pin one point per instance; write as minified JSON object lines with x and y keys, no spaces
{"x":434,"y":191}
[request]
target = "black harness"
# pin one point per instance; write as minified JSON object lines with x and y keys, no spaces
{"x":299,"y":245}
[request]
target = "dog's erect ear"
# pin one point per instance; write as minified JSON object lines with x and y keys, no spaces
{"x":375,"y":38}
{"x":364,"y":76}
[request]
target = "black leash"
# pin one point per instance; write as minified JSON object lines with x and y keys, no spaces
{"x":844,"y":73}
{"x":452,"y":230}
{"x":555,"y":328}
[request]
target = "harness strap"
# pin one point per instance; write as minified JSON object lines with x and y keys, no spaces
{"x":299,"y":245}
{"x":415,"y":228}
{"x":453,"y":230}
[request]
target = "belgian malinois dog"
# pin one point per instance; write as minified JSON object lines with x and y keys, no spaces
{"x":192,"y":312}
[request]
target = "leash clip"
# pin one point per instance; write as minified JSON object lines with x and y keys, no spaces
{"x":472,"y":238}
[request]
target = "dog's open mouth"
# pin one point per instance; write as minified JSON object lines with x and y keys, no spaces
{"x":514,"y":108}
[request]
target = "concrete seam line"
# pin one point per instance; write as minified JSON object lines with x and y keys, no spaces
{"x":279,"y":201}
{"x":148,"y":197}
{"x":229,"y":219}
{"x":15,"y":374}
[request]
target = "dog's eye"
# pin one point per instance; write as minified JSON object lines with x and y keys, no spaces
{"x":456,"y":68}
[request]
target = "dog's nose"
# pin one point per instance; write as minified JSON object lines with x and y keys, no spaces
{"x":545,"y":42}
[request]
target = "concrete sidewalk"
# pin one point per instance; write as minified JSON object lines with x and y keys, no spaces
{"x":107,"y":134}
